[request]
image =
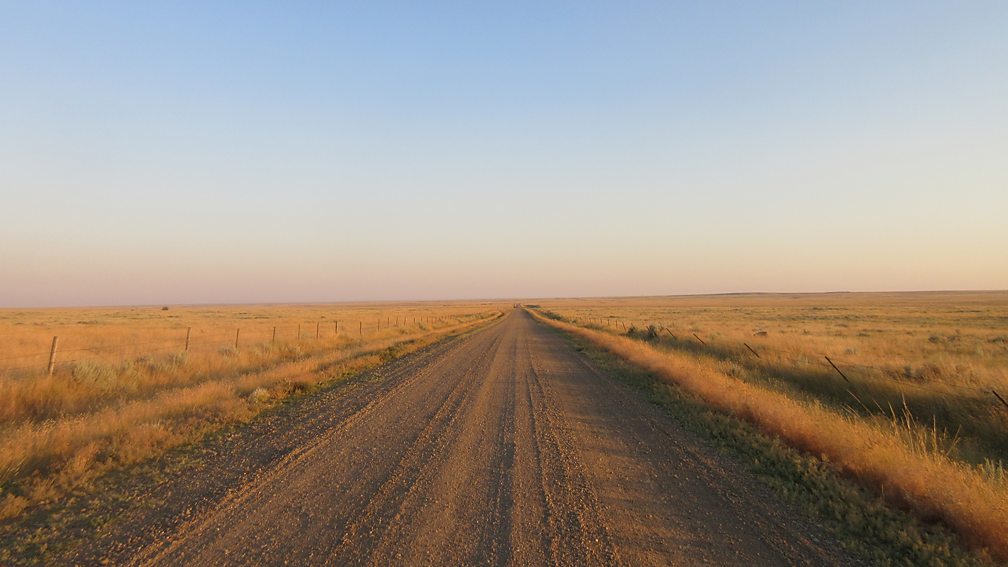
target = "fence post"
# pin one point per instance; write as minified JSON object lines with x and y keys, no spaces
{"x":237,"y":332}
{"x":273,"y":340}
{"x":299,"y":332}
{"x":317,"y":324}
{"x":52,"y":356}
{"x":840,"y":372}
{"x":1000,"y":398}
{"x":361,"y":329}
{"x":188,"y":334}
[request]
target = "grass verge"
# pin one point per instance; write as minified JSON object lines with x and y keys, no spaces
{"x":847,"y":476}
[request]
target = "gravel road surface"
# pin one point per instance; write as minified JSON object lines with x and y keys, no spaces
{"x":503,"y":447}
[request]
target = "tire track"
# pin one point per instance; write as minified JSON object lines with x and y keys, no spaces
{"x":479,"y":437}
{"x":402,"y":377}
{"x":422,"y":455}
{"x":573,"y":509}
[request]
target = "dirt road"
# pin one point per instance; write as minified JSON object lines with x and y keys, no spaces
{"x":503,"y":447}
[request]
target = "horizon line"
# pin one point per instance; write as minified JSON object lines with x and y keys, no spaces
{"x":501,"y":298}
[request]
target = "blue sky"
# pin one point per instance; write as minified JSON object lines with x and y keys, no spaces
{"x":211,"y":152}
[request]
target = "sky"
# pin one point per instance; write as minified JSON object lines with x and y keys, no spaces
{"x":207,"y":152}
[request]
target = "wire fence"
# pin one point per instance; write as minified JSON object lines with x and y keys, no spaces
{"x":188,"y":339}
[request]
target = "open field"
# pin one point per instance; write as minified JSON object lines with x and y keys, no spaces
{"x":126,"y":386}
{"x":909,"y":410}
{"x":474,"y":433}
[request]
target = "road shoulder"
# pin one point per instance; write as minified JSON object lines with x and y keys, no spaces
{"x":863,"y":525}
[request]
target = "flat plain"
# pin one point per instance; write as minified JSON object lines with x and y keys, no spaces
{"x":676,"y":430}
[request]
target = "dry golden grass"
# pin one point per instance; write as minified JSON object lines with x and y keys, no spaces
{"x":905,"y":453}
{"x":955,"y":338}
{"x":936,"y":355}
{"x":136,"y":393}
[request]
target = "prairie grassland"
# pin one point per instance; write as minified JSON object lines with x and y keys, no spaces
{"x":125,"y":389}
{"x":914,"y":419}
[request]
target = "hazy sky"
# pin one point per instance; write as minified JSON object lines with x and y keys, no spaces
{"x":181,"y":152}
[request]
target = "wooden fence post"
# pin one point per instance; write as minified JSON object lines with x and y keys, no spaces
{"x":317,"y":326}
{"x":237,"y":332}
{"x":52,"y":356}
{"x":273,"y":340}
{"x":188,"y":334}
{"x":299,"y":332}
{"x":998,"y":396}
{"x":840,"y":372}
